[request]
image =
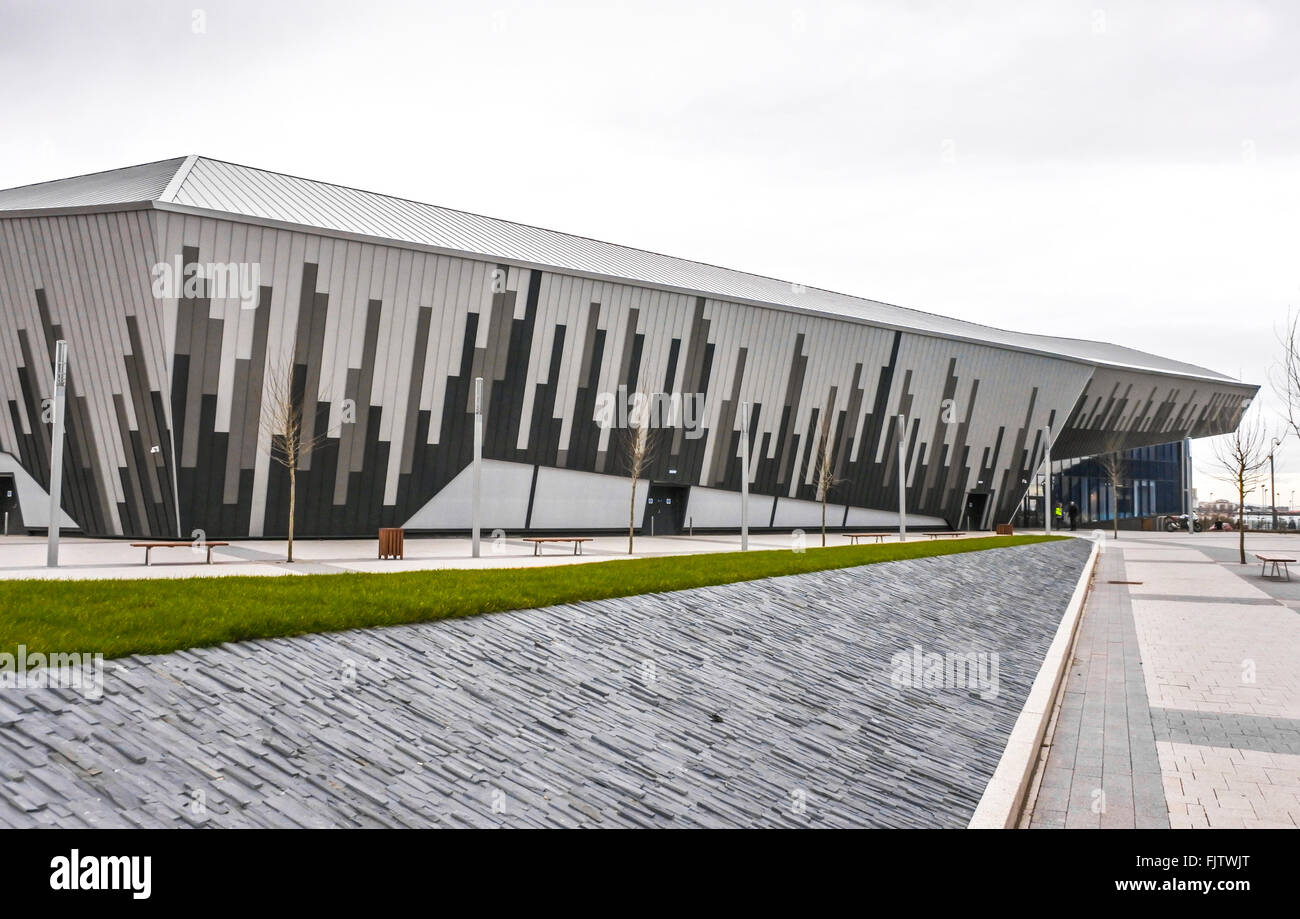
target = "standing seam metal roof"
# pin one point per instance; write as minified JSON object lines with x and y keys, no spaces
{"x":228,"y":188}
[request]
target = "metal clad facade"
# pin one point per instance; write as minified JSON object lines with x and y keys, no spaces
{"x":86,"y":279}
{"x":385,"y":336}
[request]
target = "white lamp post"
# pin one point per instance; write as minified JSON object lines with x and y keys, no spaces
{"x":1272,"y":482}
{"x":56,"y":451}
{"x":1047,"y":469}
{"x":744,"y":477}
{"x":475,"y":500}
{"x":902,"y":479}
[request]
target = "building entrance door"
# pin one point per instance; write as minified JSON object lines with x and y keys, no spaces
{"x":977,"y":503}
{"x":9,"y":504}
{"x":665,"y":510}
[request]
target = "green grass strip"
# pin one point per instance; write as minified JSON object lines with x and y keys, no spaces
{"x":121,"y":617}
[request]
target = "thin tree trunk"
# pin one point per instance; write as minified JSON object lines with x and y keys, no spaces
{"x":1241,"y":525}
{"x":293,"y":496}
{"x":823,"y":519}
{"x":631,"y":517}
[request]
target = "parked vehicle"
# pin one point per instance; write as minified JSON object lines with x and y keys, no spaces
{"x":1181,"y":522}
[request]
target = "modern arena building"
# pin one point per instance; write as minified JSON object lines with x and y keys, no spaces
{"x":184,"y":286}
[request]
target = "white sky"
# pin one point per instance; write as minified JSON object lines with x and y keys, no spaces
{"x":1122,"y":171}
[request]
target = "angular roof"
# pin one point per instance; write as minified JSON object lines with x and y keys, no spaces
{"x":200,"y":184}
{"x":132,"y":184}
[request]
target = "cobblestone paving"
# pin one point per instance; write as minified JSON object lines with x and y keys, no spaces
{"x":761,"y":704}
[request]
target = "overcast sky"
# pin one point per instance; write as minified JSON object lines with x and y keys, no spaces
{"x":1122,"y":171}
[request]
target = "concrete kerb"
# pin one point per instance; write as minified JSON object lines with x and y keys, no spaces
{"x":1004,"y":797}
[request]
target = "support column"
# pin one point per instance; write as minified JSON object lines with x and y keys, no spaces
{"x":56,"y":451}
{"x":902,"y":479}
{"x":1048,"y":509}
{"x":744,"y":477}
{"x":475,"y":522}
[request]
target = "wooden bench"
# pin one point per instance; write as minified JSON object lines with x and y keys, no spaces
{"x":1279,"y":564}
{"x":150,"y":546}
{"x":937,"y":535}
{"x":854,"y":537}
{"x":538,"y":540}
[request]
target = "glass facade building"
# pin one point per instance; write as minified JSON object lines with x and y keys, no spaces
{"x":1152,"y":485}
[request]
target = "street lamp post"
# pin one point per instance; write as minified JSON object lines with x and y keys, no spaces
{"x":1047,"y":470}
{"x":56,"y":452}
{"x":476,"y":499}
{"x":902,"y":479}
{"x":1272,"y":482}
{"x":744,"y":477}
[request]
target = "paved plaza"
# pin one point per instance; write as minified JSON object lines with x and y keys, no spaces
{"x":766,"y":703}
{"x":1182,"y":704}
{"x":79,"y":558}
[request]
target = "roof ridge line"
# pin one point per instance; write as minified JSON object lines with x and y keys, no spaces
{"x":178,"y":179}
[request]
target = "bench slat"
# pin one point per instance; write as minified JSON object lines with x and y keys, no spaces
{"x":174,"y":545}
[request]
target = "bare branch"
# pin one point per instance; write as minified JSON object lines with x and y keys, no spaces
{"x":638,"y":441}
{"x":824,"y":475}
{"x":1240,"y":458}
{"x":288,"y":438}
{"x":1114,"y":468}
{"x":282,"y":419}
{"x":1285,"y":376}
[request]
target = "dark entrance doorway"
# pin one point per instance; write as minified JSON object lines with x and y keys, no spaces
{"x":13,"y":521}
{"x":665,"y":510}
{"x":1031,"y":511}
{"x":977,"y":503}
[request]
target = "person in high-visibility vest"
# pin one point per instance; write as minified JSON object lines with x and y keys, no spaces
{"x":1058,"y":513}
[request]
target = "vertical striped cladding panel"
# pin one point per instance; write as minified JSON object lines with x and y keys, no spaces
{"x":385,"y":342}
{"x":389,"y":340}
{"x":87,"y":279}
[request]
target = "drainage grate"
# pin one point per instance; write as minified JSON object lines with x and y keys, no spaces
{"x":1123,"y":582}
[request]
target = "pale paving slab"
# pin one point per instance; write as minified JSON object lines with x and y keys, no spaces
{"x":1220,"y":657}
{"x":25,"y":556}
{"x":1202,"y":577}
{"x":1226,"y":787}
{"x":1223,"y":675}
{"x":1134,"y":554}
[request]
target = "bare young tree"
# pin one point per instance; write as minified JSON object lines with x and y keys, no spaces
{"x":824,"y":475}
{"x":639,"y":441}
{"x":1240,"y":458}
{"x":289,"y":442}
{"x":1113,"y":469}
